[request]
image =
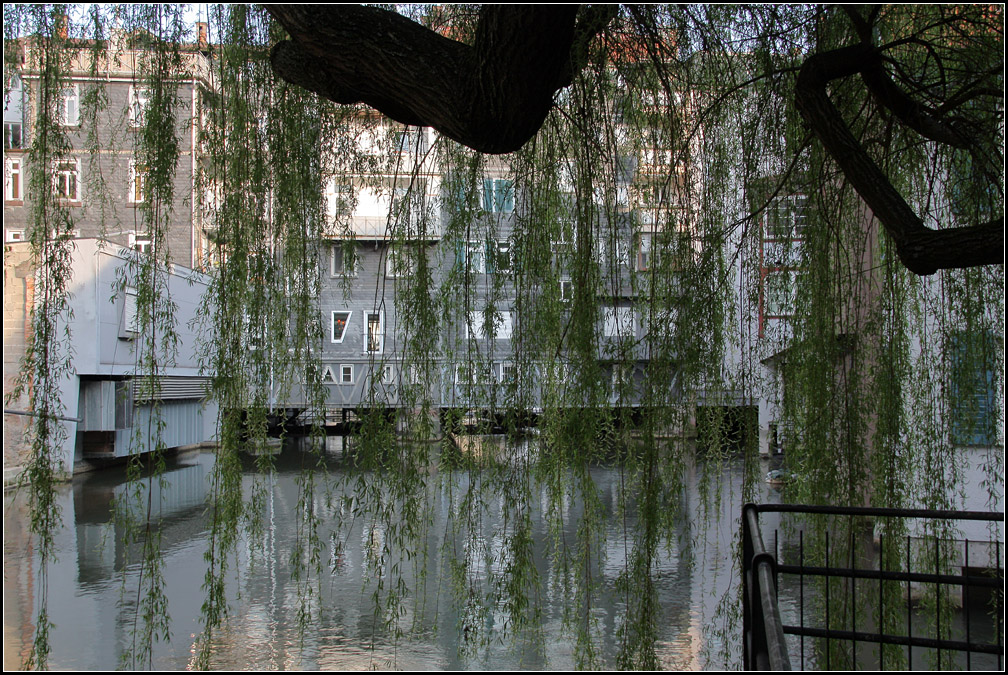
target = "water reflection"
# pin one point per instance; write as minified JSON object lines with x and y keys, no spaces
{"x":445,"y":604}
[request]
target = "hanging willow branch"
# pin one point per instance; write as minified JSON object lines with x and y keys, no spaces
{"x":723,"y":145}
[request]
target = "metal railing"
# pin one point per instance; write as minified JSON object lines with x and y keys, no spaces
{"x":764,"y":630}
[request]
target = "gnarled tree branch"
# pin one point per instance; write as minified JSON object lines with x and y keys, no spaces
{"x":492,"y":96}
{"x":922,"y":250}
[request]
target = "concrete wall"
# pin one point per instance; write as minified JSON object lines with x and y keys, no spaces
{"x":103,"y":352}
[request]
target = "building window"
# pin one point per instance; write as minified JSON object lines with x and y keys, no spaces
{"x":556,"y":372}
{"x":255,"y":332}
{"x":414,"y":374}
{"x":128,"y":327}
{"x":618,"y":322}
{"x":342,"y":259}
{"x":484,"y":257}
{"x":785,"y":218}
{"x":141,"y":242}
{"x":612,"y":250}
{"x":500,"y":325}
{"x":782,"y":253}
{"x":778,"y":293}
{"x":644,"y":253}
{"x":15,"y":235}
{"x":374,"y":332}
{"x":66,"y":179}
{"x":472,"y":256}
{"x":139,"y":99}
{"x":12,"y":135}
{"x":456,"y":193}
{"x":138,"y":182}
{"x":466,"y":373}
{"x":327,"y":375}
{"x":340,"y":197}
{"x":508,"y":373}
{"x":412,"y":141}
{"x":69,"y":113}
{"x":566,"y":290}
{"x":13,"y":116}
{"x":504,"y":260}
{"x":387,"y":374}
{"x":498,"y":195}
{"x":340,"y":321}
{"x":566,"y":237}
{"x":346,"y":373}
{"x":399,"y":262}
{"x":973,"y":390}
{"x":13,"y":180}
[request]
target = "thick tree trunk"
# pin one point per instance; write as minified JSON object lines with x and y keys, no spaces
{"x":492,"y":96}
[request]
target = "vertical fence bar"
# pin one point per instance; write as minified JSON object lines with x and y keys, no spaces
{"x":965,"y":600}
{"x":746,"y":610}
{"x":881,"y":616}
{"x":763,"y":634}
{"x":909,"y":609}
{"x":997,"y":615}
{"x":801,"y":592}
{"x":853,"y":586}
{"x":827,"y":605}
{"x":937,"y":570}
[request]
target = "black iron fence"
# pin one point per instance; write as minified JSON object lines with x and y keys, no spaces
{"x":929,"y":597}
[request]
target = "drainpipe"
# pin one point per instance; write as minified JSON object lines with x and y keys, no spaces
{"x":192,"y":176}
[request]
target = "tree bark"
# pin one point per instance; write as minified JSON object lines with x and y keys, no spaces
{"x":492,"y":96}
{"x":923,"y":250}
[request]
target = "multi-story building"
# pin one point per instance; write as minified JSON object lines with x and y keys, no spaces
{"x":104,"y":98}
{"x":415,"y":211}
{"x":99,"y":182}
{"x":495,"y":247}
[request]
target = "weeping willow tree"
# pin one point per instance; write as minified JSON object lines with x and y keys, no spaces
{"x":625,"y":199}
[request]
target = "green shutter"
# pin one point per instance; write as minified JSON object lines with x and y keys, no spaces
{"x":505,"y":196}
{"x":488,"y":194}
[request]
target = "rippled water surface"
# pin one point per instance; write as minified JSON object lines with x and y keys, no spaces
{"x":92,"y":586}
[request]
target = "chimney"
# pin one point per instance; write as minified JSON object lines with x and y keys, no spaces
{"x":60,"y":24}
{"x":201,"y":36}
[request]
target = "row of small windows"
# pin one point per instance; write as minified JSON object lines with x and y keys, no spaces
{"x":464,"y":373}
{"x":374,"y":328}
{"x":474,"y":257}
{"x":617,"y":322}
{"x":501,"y":372}
{"x":137,"y":242}
{"x":66,"y":180}
{"x":68,"y":113}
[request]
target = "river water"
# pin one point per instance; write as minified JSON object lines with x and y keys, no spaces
{"x":92,"y":586}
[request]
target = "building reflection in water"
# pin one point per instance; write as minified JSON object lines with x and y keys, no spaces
{"x":377,"y":605}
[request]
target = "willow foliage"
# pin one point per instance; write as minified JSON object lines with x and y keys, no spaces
{"x":653,"y":180}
